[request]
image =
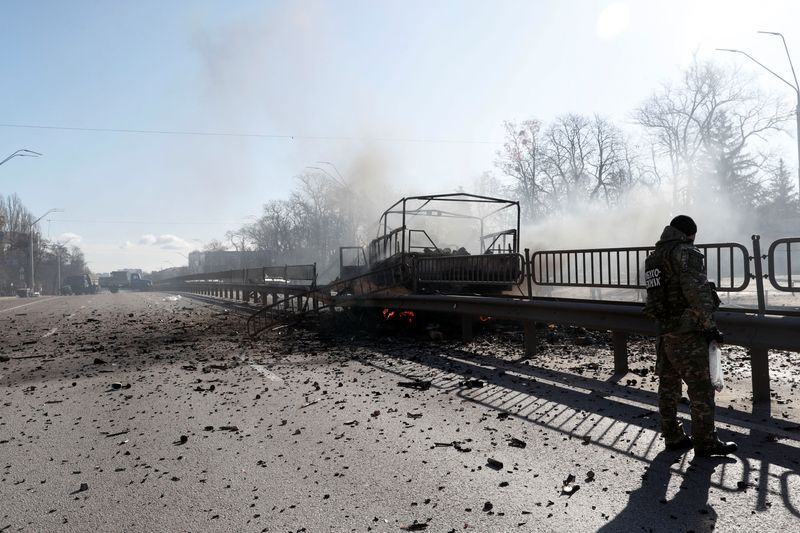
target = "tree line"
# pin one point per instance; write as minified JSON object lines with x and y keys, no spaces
{"x":705,"y":138}
{"x":15,"y":248}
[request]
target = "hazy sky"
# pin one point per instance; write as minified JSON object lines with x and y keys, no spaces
{"x":418,"y":88}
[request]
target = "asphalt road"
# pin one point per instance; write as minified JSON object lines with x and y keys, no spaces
{"x":147,"y":412}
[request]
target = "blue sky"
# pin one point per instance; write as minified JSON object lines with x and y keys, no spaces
{"x":412,"y":71}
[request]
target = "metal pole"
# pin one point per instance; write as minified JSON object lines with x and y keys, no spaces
{"x":32,"y":285}
{"x":528,"y":272}
{"x":58,"y":287}
{"x":797,"y":116}
{"x":54,"y":210}
{"x":759,"y":274}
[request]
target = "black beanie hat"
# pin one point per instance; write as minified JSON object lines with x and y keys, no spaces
{"x":685,"y":224}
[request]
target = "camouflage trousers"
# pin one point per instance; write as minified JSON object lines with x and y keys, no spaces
{"x":684,"y":357}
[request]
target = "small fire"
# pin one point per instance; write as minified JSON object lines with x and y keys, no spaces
{"x":405,"y":316}
{"x":485,"y":318}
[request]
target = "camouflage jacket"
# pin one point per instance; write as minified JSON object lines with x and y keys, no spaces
{"x":684,"y":300}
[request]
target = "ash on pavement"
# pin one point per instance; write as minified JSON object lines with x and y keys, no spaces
{"x":138,"y":412}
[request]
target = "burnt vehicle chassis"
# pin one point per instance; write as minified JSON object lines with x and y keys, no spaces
{"x":407,"y":259}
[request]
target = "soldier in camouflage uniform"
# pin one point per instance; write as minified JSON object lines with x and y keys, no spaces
{"x":682,"y":302}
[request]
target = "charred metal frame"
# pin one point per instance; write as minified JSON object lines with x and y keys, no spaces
{"x":378,"y":247}
{"x":449,"y":269}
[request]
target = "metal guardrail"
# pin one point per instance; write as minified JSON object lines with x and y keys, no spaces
{"x":784,"y":267}
{"x":756,"y":331}
{"x":470,"y":269}
{"x":623,"y":268}
{"x":260,"y":275}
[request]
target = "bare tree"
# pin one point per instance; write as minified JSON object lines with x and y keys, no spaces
{"x":16,"y":217}
{"x":522,"y":158}
{"x":569,"y":147}
{"x":612,"y":164}
{"x":214,"y":246}
{"x":238,"y":239}
{"x":575,"y":160}
{"x":684,"y":123}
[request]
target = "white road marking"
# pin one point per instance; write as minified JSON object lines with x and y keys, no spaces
{"x":49,"y":333}
{"x":23,"y":305}
{"x":261,"y":369}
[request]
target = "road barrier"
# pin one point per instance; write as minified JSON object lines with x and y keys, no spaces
{"x":778,"y":267}
{"x":727,"y":265}
{"x":295,"y":274}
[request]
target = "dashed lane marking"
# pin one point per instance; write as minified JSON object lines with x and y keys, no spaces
{"x":49,"y":333}
{"x":23,"y":305}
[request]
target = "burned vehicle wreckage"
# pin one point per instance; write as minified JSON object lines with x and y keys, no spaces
{"x":448,"y":243}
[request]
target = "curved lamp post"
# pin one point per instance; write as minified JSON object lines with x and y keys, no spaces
{"x":54,"y":210}
{"x":22,"y":152}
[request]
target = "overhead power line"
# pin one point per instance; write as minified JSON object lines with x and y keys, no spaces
{"x":252,"y":135}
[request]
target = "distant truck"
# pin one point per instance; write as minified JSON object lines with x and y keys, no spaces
{"x":138,"y":283}
{"x":79,"y":284}
{"x":124,"y":279}
{"x":119,"y":280}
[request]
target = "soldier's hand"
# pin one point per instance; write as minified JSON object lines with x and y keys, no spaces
{"x":715,"y":335}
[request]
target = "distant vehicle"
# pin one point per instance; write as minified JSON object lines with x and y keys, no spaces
{"x":104,"y":282}
{"x":446,"y":243}
{"x":119,"y":280}
{"x":124,"y":279}
{"x":137,"y":283}
{"x":81,"y":284}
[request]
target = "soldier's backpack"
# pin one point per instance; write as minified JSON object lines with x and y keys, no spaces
{"x":657,"y":269}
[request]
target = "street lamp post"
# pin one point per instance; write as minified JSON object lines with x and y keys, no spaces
{"x":23,"y":152}
{"x":59,"y":246}
{"x":33,"y":279}
{"x":795,"y":86}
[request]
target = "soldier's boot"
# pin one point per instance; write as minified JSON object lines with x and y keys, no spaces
{"x":717,"y":447}
{"x":683,"y":443}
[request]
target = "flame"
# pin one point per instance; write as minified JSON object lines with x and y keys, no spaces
{"x":406,"y":316}
{"x":484,"y":318}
